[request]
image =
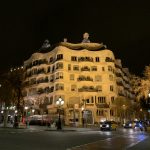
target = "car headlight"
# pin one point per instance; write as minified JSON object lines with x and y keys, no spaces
{"x":107,"y":126}
{"x":130,"y":125}
{"x":100,"y":125}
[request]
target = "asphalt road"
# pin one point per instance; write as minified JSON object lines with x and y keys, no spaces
{"x":39,"y":139}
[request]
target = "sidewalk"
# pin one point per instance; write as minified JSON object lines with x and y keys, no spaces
{"x":46,"y":128}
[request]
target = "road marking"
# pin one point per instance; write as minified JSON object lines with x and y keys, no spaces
{"x":87,"y":144}
{"x":109,"y":143}
{"x":135,"y":143}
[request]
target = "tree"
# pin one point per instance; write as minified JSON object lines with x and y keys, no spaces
{"x":6,"y":96}
{"x":141,"y":87}
{"x":11,"y":91}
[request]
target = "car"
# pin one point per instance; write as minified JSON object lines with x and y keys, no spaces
{"x":129,"y":124}
{"x":108,"y":125}
{"x":140,"y":125}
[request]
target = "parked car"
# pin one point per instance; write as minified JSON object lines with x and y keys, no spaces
{"x":108,"y":125}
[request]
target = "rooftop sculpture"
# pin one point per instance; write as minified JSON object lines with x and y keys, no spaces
{"x":85,"y":38}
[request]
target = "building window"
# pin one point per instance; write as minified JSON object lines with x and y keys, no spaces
{"x":51,"y":59}
{"x":110,"y":68}
{"x":111,"y":88}
{"x":73,"y":87}
{"x":112,"y":99}
{"x":108,"y":59}
{"x":59,"y":56}
{"x":103,"y":68}
{"x":36,"y":62}
{"x":76,"y":67}
{"x":51,"y":78}
{"x":93,"y":68}
{"x":111,"y":77}
{"x":59,"y":66}
{"x":53,"y":68}
{"x":111,"y":113}
{"x":102,"y":99}
{"x":41,"y":70}
{"x":50,"y":100}
{"x":71,"y":76}
{"x":73,"y":58}
{"x":99,"y":112}
{"x":97,"y":59}
{"x":92,"y":99}
{"x":59,"y":86}
{"x":87,"y":101}
{"x":48,"y":69}
{"x":99,"y":88}
{"x":69,"y":66}
{"x":35,"y":71}
{"x":98,"y":78}
{"x":59,"y":75}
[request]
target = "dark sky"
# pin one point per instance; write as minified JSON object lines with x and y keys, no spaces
{"x":124,"y":26}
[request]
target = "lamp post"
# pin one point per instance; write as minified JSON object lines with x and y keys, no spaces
{"x":59,"y":103}
{"x":83,"y":121}
{"x":84,"y":113}
{"x":124,"y":108}
{"x":27,"y":122}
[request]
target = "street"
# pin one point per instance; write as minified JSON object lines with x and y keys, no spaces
{"x":38,"y":138}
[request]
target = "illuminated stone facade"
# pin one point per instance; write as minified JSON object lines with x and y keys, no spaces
{"x":84,"y":75}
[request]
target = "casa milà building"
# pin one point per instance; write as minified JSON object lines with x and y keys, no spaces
{"x":82,"y":74}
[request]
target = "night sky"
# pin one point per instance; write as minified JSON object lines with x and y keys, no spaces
{"x":124,"y":26}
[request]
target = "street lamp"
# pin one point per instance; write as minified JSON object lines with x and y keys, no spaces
{"x":33,"y":110}
{"x":149,"y":94}
{"x":59,"y":103}
{"x":26,"y":108}
{"x":82,"y":110}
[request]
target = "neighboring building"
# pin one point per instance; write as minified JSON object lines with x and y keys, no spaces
{"x":85,"y":75}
